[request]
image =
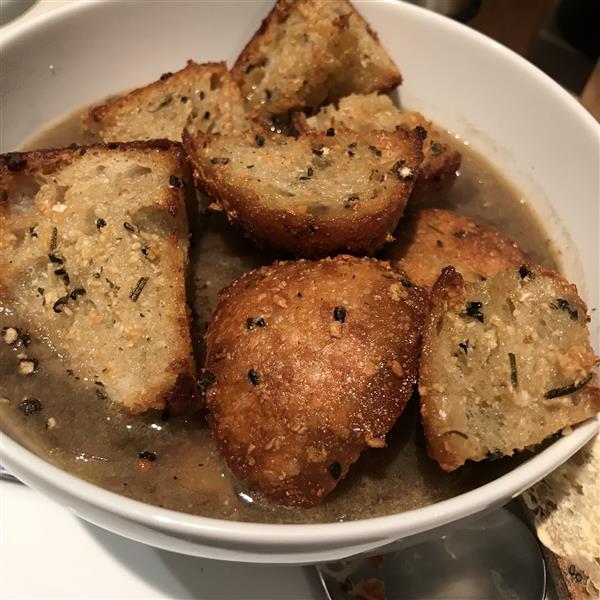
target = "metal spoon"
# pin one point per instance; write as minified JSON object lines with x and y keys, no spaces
{"x":494,"y":557}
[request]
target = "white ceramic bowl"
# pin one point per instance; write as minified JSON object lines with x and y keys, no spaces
{"x":528,"y":126}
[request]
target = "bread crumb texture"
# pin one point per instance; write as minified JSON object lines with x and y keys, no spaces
{"x":311,"y":363}
{"x":505,"y":364}
{"x":307,"y":51}
{"x":565,"y":506}
{"x":93,"y":253}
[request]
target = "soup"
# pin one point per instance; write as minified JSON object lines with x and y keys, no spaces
{"x":90,"y":438}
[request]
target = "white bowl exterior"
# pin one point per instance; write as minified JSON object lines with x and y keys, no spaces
{"x":534,"y":131}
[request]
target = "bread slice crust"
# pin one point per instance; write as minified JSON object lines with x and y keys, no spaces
{"x":94,"y":255}
{"x":430,"y":239}
{"x":202,"y":97}
{"x":314,"y":195}
{"x":309,"y":364}
{"x":505,"y":364}
{"x":365,"y":112}
{"x":307,"y":51}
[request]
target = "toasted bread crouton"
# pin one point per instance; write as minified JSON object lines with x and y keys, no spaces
{"x":505,"y":364}
{"x":309,"y":51}
{"x":314,"y":195}
{"x":310,"y":363}
{"x":431,"y":239}
{"x":93,"y":254}
{"x":377,"y":111}
{"x":203,"y":97}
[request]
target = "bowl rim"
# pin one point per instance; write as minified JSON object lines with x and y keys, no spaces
{"x":33,"y":468}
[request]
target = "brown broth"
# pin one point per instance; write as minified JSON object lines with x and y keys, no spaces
{"x":95,"y":441}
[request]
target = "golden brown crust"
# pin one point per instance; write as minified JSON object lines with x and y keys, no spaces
{"x":317,"y":58}
{"x":363,"y":227}
{"x":41,"y":176}
{"x":314,"y":362}
{"x":478,"y":401}
{"x":431,"y":239}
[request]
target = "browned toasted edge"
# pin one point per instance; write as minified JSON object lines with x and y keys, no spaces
{"x":303,"y":235}
{"x":183,"y":396}
{"x":449,"y":287}
{"x":281,"y":11}
{"x":91,"y":119}
{"x":291,"y":497}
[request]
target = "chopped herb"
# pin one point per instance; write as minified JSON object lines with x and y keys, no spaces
{"x":252,"y":322}
{"x":145,"y":250}
{"x":137,"y":290}
{"x":335,"y":470}
{"x":461,"y":234}
{"x":568,"y":389}
{"x":147,"y":455}
{"x":406,"y":283}
{"x":253,"y":377}
{"x":165,"y":76}
{"x":129,"y":227}
{"x":204,"y":380}
{"x":439,"y":243}
{"x":40,"y":291}
{"x":201,"y":95}
{"x":113,"y":286}
{"x":514,"y":379}
{"x":206,"y":115}
{"x":57,"y":306}
{"x":15,"y":162}
{"x":219,"y":161}
{"x":62,"y":273}
{"x":351,"y":201}
{"x":375,"y":150}
{"x":175,"y":181}
{"x":464,"y":346}
{"x":268,"y":94}
{"x":562,"y":304}
{"x":31,"y":231}
{"x":77,"y":292}
{"x":260,"y":140}
{"x":351,"y":153}
{"x":421,"y":132}
{"x":164,"y":103}
{"x":30,"y":406}
{"x":525,"y":271}
{"x":184,"y":99}
{"x":53,"y":239}
{"x":100,"y":223}
{"x":249,"y":68}
{"x":264,"y":62}
{"x":330,"y":132}
{"x":249,"y":166}
{"x":55,"y":259}
{"x":436,"y":148}
{"x":474,"y":310}
{"x":339,"y":314}
{"x":319,"y":150}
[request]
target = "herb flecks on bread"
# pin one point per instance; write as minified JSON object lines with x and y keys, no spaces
{"x":505,"y":364}
{"x":314,"y":195}
{"x":201,"y":97}
{"x":94,"y":247}
{"x":309,"y":51}
{"x":376,"y":111}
